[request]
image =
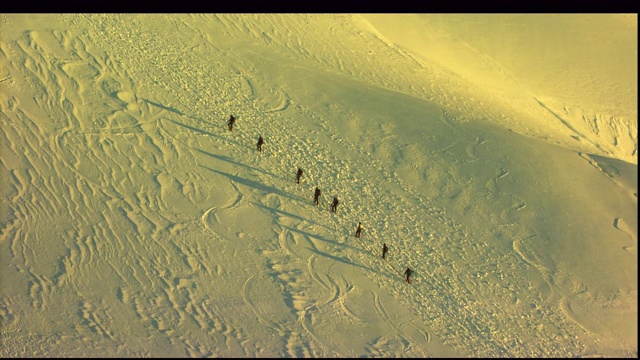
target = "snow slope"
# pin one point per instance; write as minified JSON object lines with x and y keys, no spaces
{"x":570,"y":79}
{"x":133,"y":223}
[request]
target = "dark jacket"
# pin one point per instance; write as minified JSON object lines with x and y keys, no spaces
{"x":408,"y":272}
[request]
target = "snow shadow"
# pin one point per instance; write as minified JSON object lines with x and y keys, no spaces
{"x":254,"y":184}
{"x":229,"y":160}
{"x":321,"y":238}
{"x":346,"y":261}
{"x":291,"y":215}
{"x":168,"y":108}
{"x":195,"y":129}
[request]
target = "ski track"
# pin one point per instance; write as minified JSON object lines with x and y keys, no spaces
{"x":101,"y":154}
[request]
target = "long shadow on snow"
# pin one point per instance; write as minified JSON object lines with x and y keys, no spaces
{"x":281,"y":212}
{"x":176,"y":111}
{"x":195,"y":129}
{"x":173,"y":110}
{"x":228,"y":159}
{"x":348,"y":262}
{"x":333,"y":257}
{"x":316,"y":236}
{"x":254,"y":184}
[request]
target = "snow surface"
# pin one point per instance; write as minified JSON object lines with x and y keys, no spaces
{"x":496,"y":155}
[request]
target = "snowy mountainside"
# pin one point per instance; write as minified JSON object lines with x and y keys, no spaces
{"x":558,"y":77}
{"x":136,"y":224}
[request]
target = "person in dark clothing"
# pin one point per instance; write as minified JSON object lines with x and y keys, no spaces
{"x":299,"y":175}
{"x":408,"y":273}
{"x":384,"y":251}
{"x":230,"y":123}
{"x":359,"y":230}
{"x":260,"y":142}
{"x":316,"y":195}
{"x":334,"y":206}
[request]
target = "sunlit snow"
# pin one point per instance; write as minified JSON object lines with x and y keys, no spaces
{"x":496,"y":156}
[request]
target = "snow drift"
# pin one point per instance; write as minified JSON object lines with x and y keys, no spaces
{"x":496,"y":156}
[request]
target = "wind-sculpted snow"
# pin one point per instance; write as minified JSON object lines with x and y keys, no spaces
{"x":540,"y":78}
{"x":134,"y":223}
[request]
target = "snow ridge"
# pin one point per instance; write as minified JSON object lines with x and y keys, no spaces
{"x":140,"y":226}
